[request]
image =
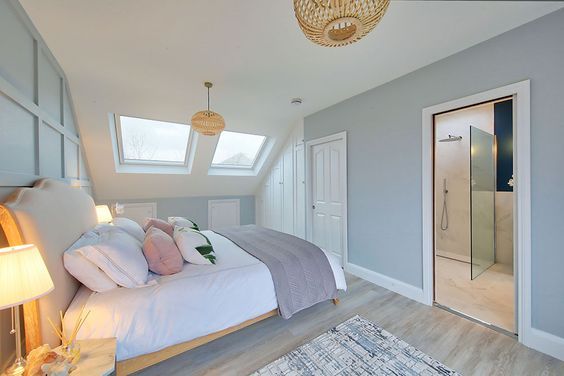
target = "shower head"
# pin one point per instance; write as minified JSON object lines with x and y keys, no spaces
{"x":451,"y":138}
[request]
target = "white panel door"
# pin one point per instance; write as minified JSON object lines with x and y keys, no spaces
{"x":299,"y":221}
{"x":328,"y":196}
{"x":223,"y":213}
{"x":267,"y":203}
{"x":276,"y":181}
{"x":288,"y":190}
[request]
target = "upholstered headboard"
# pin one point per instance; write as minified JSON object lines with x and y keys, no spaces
{"x":52,"y":215}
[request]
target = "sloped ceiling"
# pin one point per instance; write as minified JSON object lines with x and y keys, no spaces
{"x":149,"y":58}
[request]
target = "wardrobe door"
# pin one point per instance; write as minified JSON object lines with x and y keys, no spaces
{"x":276,"y":182}
{"x":288,"y":190}
{"x":299,"y":189}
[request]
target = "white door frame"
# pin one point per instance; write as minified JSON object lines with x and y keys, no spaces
{"x":342,"y":137}
{"x":520,"y":92}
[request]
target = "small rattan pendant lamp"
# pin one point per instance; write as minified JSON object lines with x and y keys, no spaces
{"x":207,"y":122}
{"x":334,"y":23}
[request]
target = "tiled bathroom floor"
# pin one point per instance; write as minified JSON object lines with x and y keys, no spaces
{"x":489,"y":297}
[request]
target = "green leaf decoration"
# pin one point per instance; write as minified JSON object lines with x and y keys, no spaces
{"x":205,"y":249}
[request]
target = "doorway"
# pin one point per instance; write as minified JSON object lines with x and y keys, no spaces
{"x":473,"y":212}
{"x":520,"y":94}
{"x":326,"y":177}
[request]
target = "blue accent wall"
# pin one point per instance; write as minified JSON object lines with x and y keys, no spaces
{"x":503,"y":129}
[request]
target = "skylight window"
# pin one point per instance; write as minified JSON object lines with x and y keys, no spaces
{"x":237,"y":150}
{"x":143,"y":141}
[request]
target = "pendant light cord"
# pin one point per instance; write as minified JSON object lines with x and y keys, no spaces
{"x":208,"y":99}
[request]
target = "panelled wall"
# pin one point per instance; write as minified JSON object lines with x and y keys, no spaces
{"x":280,"y":201}
{"x":38,"y":133}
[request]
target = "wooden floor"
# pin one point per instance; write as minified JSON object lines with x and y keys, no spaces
{"x":463,"y":345}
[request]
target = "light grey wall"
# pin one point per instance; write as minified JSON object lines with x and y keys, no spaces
{"x":38,"y":133}
{"x":196,"y":208}
{"x":384,"y":155}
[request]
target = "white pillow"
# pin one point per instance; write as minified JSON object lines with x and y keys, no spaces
{"x":131,"y":227}
{"x":182,"y":222}
{"x":187,"y":240}
{"x":120,"y":256}
{"x":84,"y":270}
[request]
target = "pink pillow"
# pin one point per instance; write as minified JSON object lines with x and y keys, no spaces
{"x":161,"y":253}
{"x":160,"y":224}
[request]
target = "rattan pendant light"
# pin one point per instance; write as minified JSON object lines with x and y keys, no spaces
{"x":207,"y":122}
{"x":334,"y":23}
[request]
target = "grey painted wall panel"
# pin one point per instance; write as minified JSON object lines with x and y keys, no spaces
{"x":49,"y":88}
{"x":71,"y":159}
{"x":51,"y":146}
{"x":384,"y":161}
{"x":17,"y":137}
{"x":17,"y":54}
{"x":68,"y":119}
{"x":196,"y":208}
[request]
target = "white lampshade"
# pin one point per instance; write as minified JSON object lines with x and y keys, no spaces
{"x":103,"y":213}
{"x":23,"y":275}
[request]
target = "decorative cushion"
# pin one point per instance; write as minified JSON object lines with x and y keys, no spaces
{"x":161,"y":252}
{"x":160,"y":224}
{"x":183,"y":222}
{"x":120,"y":256}
{"x":83,"y":269}
{"x":131,"y":227}
{"x":194,"y":246}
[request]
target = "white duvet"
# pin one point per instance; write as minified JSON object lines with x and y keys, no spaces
{"x":199,"y":300}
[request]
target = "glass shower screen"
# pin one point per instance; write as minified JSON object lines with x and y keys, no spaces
{"x":482,"y":200}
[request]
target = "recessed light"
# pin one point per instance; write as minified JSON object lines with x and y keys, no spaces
{"x":296,"y":101}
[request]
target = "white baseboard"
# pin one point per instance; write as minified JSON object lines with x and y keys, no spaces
{"x":545,"y":342}
{"x":402,"y":288}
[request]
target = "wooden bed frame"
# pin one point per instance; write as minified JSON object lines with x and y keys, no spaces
{"x":17,"y":216}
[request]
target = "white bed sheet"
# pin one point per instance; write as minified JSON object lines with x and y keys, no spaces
{"x":199,"y":300}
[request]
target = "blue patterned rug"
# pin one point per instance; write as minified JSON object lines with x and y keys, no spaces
{"x":355,"y":347}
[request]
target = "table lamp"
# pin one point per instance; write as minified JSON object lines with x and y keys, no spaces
{"x":23,"y":278}
{"x":104,"y":214}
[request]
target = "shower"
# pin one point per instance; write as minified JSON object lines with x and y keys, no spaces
{"x":444,"y":215}
{"x":473,"y":213}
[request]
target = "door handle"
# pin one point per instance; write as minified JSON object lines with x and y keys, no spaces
{"x":313,"y":207}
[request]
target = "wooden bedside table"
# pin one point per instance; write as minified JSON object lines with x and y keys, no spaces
{"x":97,"y":357}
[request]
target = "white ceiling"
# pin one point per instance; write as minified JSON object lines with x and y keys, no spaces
{"x":149,"y":58}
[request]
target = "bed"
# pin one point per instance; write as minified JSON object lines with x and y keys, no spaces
{"x":173,"y":314}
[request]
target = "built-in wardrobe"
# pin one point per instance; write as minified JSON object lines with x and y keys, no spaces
{"x":280,"y":201}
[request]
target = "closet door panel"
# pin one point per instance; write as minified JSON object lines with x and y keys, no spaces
{"x":277,"y":198}
{"x":300,"y":202}
{"x":288,"y":190}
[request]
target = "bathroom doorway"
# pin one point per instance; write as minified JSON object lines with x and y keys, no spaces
{"x":473,"y":213}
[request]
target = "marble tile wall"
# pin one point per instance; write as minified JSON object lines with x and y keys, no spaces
{"x":452,"y":162}
{"x":504,"y":228}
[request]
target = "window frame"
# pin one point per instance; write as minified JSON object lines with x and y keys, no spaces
{"x":141,"y":162}
{"x":252,"y":166}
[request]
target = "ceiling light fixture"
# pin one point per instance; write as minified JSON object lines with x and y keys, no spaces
{"x":335,"y":23}
{"x":296,"y":101}
{"x":208,"y":123}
